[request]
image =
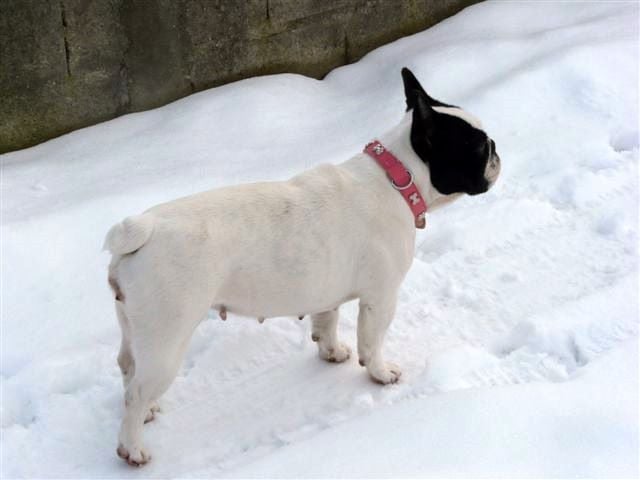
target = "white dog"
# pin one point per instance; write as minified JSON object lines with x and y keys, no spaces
{"x":304,"y":246}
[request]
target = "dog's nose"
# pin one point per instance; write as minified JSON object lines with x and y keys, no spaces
{"x":494,"y":161}
{"x":493,"y":169}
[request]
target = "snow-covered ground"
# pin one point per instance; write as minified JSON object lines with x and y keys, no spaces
{"x":517,"y":325}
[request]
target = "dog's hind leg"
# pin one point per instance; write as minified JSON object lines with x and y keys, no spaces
{"x":159,"y":349}
{"x":125,"y":356}
{"x":126,"y":360}
{"x":155,"y":370}
{"x":325,"y":333}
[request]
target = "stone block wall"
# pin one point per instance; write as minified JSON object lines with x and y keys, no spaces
{"x":67,"y":64}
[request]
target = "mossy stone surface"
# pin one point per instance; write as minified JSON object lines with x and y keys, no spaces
{"x":69,"y":64}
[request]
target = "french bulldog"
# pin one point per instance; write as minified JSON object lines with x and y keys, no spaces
{"x":329,"y":235}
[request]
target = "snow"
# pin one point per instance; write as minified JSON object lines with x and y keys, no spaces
{"x":446,"y":435}
{"x":517,"y":325}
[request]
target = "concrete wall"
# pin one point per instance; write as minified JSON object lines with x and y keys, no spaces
{"x":66,"y":64}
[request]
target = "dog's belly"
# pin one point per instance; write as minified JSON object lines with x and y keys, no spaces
{"x":281,"y":294}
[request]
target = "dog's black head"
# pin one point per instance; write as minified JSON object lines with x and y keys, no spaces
{"x":460,"y":155}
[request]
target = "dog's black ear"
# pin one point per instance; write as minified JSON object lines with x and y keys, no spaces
{"x":412,"y":86}
{"x":424,"y":117}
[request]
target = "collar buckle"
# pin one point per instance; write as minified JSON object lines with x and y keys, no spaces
{"x":409,"y":183}
{"x":397,"y":173}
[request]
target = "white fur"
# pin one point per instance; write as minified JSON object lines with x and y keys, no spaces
{"x":129,"y":235}
{"x":458,"y":112}
{"x":303,"y":246}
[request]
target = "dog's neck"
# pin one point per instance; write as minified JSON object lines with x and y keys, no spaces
{"x":398,"y":142}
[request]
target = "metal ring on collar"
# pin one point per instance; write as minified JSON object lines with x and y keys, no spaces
{"x":409,"y":183}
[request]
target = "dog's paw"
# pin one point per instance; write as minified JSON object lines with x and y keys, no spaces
{"x":385,"y":374}
{"x":135,"y":457}
{"x":151,"y":414}
{"x":335,"y":354}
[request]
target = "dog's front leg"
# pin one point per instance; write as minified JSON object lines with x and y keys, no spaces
{"x":325,"y":333}
{"x":374,"y":318}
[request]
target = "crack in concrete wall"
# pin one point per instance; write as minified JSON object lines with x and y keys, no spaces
{"x":346,"y":49}
{"x":122,"y":91}
{"x":63,"y":18}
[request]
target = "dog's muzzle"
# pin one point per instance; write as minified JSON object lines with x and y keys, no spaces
{"x":492,"y":171}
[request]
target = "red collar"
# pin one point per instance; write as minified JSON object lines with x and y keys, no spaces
{"x":401,"y":179}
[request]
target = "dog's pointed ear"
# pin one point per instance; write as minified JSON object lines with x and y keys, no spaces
{"x":412,"y":88}
{"x":424,"y":116}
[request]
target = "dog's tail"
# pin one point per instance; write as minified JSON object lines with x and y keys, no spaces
{"x":130,"y":234}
